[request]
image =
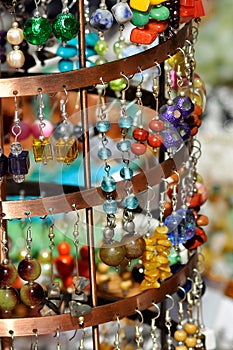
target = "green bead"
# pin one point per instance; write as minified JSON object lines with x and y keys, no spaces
{"x":140,"y":19}
{"x":118,"y":47}
{"x":101,"y":47}
{"x":65,"y":26}
{"x":117,"y":84}
{"x":159,"y":12}
{"x":100,"y":60}
{"x":37,"y":30}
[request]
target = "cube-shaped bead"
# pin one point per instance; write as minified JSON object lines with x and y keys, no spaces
{"x":66,"y":150}
{"x":3,"y":165}
{"x":142,"y":36}
{"x":19,"y":164}
{"x":42,"y":150}
{"x":140,"y":5}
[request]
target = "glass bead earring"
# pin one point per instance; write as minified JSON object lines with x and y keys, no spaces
{"x":66,"y":147}
{"x":65,"y":26}
{"x":18,"y":158}
{"x":37,"y":29}
{"x":42,"y":148}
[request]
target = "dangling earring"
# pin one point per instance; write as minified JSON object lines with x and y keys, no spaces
{"x":34,"y":345}
{"x":3,"y":165}
{"x":138,"y":330}
{"x":37,"y":29}
{"x":154,"y":330}
{"x":168,"y":324}
{"x":18,"y":158}
{"x":180,"y":335}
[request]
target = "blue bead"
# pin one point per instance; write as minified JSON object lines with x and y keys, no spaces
{"x":101,"y":19}
{"x":125,"y":122}
{"x":172,"y":222}
{"x":19,"y":164}
{"x":108,"y":184}
{"x":130,"y":202}
{"x":126,"y":173}
{"x":103,"y":125}
{"x":91,"y":39}
{"x":187,"y":225}
{"x":89,"y":52}
{"x":104,"y":153}
{"x":67,"y":51}
{"x":73,"y":42}
{"x":110,"y":206}
{"x":124,"y":145}
{"x":65,"y":65}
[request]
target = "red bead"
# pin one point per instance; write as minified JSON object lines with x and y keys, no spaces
{"x":63,"y":248}
{"x":140,"y":134}
{"x":142,"y":36}
{"x":190,"y":3}
{"x":154,"y":140}
{"x":156,"y":125}
{"x":138,"y":148}
{"x":199,"y":9}
{"x":186,"y":11}
{"x":157,"y":26}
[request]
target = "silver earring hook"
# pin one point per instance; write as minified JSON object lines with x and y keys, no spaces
{"x":141,"y":316}
{"x":127,"y":82}
{"x":184,"y":294}
{"x":172,"y":302}
{"x":158,"y":311}
{"x":142,"y":77}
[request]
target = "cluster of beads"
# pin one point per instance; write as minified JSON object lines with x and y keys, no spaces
{"x":15,"y":37}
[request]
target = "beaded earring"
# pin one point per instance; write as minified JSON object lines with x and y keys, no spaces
{"x":190,"y":327}
{"x":37,"y":29}
{"x":169,"y":343}
{"x":15,"y":37}
{"x":35,"y":343}
{"x":138,"y":330}
{"x":65,"y":26}
{"x":42,"y":148}
{"x":180,"y":335}
{"x":18,"y":158}
{"x":66,"y":147}
{"x":9,"y":297}
{"x":29,"y":269}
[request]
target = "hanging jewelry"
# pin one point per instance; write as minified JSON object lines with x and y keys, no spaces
{"x":34,"y":345}
{"x":180,"y":335}
{"x":12,"y":340}
{"x":29,"y":269}
{"x":65,"y":26}
{"x":168,"y":324}
{"x":154,"y":330}
{"x":42,"y":148}
{"x":15,"y":37}
{"x":8,"y":275}
{"x":117,"y":335}
{"x":66,"y":147}
{"x":190,"y":326}
{"x":37,"y":29}
{"x":18,"y":158}
{"x":138,"y":330}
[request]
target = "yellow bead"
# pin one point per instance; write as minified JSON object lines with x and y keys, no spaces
{"x":66,"y":150}
{"x":140,"y":5}
{"x":181,"y":347}
{"x":42,"y":150}
{"x":165,"y":242}
{"x":161,"y":230}
{"x":191,"y":342}
{"x":180,"y":335}
{"x":162,"y":259}
{"x":176,"y":59}
{"x":156,"y":2}
{"x":165,"y":275}
{"x":190,"y":328}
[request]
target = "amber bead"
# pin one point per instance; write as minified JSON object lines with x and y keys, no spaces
{"x":31,"y":294}
{"x":181,"y":347}
{"x":66,"y":150}
{"x":112,"y":253}
{"x":191,"y":342}
{"x":8,"y":274}
{"x":202,"y":220}
{"x":42,"y":150}
{"x":140,"y":134}
{"x":155,"y":140}
{"x":180,"y":335}
{"x":190,"y":328}
{"x":29,"y":269}
{"x":138,"y":148}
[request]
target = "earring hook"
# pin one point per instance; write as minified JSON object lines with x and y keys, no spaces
{"x":184,"y":293}
{"x":127,"y":82}
{"x":141,"y":316}
{"x":172,"y":302}
{"x":158,"y":311}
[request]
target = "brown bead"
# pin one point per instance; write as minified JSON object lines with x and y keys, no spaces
{"x":202,"y":220}
{"x":191,"y":342}
{"x":180,"y":335}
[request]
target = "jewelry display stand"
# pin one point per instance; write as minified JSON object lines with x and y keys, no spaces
{"x":82,"y":79}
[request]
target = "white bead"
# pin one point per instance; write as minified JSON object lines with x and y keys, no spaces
{"x":122,"y":12}
{"x":15,"y":59}
{"x":15,"y":35}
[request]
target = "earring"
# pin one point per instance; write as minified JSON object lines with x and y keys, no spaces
{"x":37,"y":29}
{"x":138,"y":330}
{"x":190,"y":326}
{"x":18,"y":158}
{"x":65,"y":26}
{"x":154,"y":330}
{"x":168,"y":324}
{"x":29,"y":269}
{"x":66,"y":147}
{"x":180,"y":335}
{"x":15,"y":37}
{"x":117,"y":335}
{"x":34,"y":345}
{"x":42,"y":148}
{"x":57,"y":336}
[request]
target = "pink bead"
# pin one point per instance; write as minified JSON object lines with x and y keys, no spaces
{"x":138,"y":148}
{"x":25,"y":131}
{"x":47,"y":129}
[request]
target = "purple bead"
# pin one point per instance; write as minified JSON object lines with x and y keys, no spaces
{"x":184,"y":130}
{"x":170,"y":113}
{"x":3,"y":33}
{"x":19,"y":164}
{"x":2,"y":41}
{"x":184,"y":104}
{"x":171,"y":140}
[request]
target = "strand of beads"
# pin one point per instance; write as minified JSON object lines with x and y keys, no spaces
{"x":15,"y":37}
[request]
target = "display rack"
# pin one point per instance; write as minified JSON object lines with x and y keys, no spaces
{"x":82,"y":79}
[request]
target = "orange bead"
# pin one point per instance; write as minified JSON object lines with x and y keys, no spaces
{"x":202,"y":220}
{"x":180,"y":335}
{"x":191,"y":342}
{"x":142,"y":36}
{"x":181,"y":347}
{"x":157,"y":26}
{"x":190,"y":328}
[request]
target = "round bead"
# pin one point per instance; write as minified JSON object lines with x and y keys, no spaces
{"x":190,"y":328}
{"x":65,"y":65}
{"x":8,"y":299}
{"x":122,"y":12}
{"x":91,"y":39}
{"x":191,"y":342}
{"x":139,"y":18}
{"x":31,"y":294}
{"x":118,"y":48}
{"x":47,"y":129}
{"x":134,"y":246}
{"x":101,"y":47}
{"x":108,"y":184}
{"x":100,"y":60}
{"x":155,"y":140}
{"x":16,"y":148}
{"x":159,"y":12}
{"x":29,"y":269}
{"x":138,"y":148}
{"x":15,"y":58}
{"x":104,"y":153}
{"x":15,"y":35}
{"x":140,"y":134}
{"x":156,"y":125}
{"x":8,"y":274}
{"x":117,"y":84}
{"x":125,"y":122}
{"x":112,"y":254}
{"x":129,"y":226}
{"x":103,"y":125}
{"x":126,"y":173}
{"x":65,"y":26}
{"x":101,"y":19}
{"x":180,"y":335}
{"x":37,"y":30}
{"x":181,"y":347}
{"x":124,"y":145}
{"x":130,"y":202}
{"x":108,"y":233}
{"x":110,"y":206}
{"x":66,"y":51}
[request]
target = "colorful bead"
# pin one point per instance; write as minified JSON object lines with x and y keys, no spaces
{"x":37,"y":30}
{"x":101,"y":47}
{"x":156,"y":2}
{"x":140,"y":19}
{"x":125,"y":122}
{"x":8,"y":274}
{"x":134,"y":246}
{"x":138,"y":148}
{"x":170,"y":113}
{"x":140,"y":134}
{"x":110,"y":206}
{"x":159,"y":12}
{"x":143,"y":36}
{"x":65,"y":26}
{"x":31,"y":294}
{"x":15,"y":58}
{"x":154,"y":140}
{"x":19,"y":165}
{"x":8,"y":299}
{"x":126,"y":173}
{"x":104,"y":153}
{"x":117,"y":84}
{"x":103,"y":125}
{"x":42,"y":150}
{"x":130,"y":202}
{"x":185,"y":105}
{"x":101,"y":19}
{"x":140,"y":5}
{"x":65,"y":65}
{"x":187,"y":225}
{"x":112,"y":254}
{"x":156,"y":125}
{"x":29,"y":269}
{"x":108,"y":184}
{"x":15,"y":35}
{"x":66,"y":51}
{"x":91,"y":39}
{"x":122,"y":12}
{"x":156,"y":26}
{"x":66,"y":150}
{"x":123,"y":145}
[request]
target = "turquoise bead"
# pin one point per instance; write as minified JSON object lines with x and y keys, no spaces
{"x":88,"y":64}
{"x":159,"y":12}
{"x":125,"y":122}
{"x":108,"y":184}
{"x":130,"y":202}
{"x":126,"y":173}
{"x":140,"y":19}
{"x":65,"y":26}
{"x":65,"y":65}
{"x":37,"y":30}
{"x":91,"y":39}
{"x":124,"y":145}
{"x":110,"y":206}
{"x":67,"y":51}
{"x":104,"y":153}
{"x":103,"y":125}
{"x":89,"y":52}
